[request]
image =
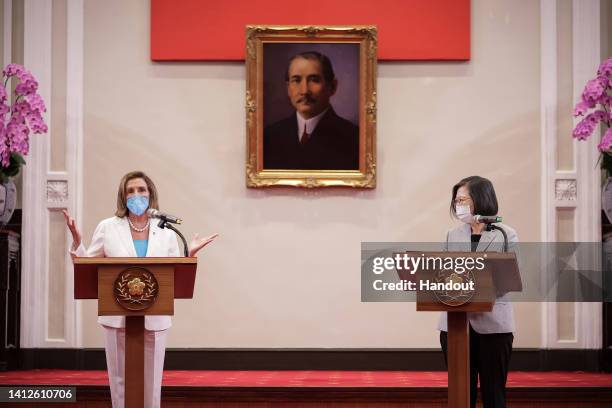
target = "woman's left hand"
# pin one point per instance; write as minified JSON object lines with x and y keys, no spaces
{"x":198,"y":243}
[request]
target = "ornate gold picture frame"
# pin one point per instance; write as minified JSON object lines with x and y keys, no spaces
{"x":311,"y":106}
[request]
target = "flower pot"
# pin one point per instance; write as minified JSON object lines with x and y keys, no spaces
{"x":8,"y":201}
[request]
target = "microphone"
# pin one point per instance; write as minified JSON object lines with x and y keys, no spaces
{"x":487,"y":219}
{"x":153,"y":213}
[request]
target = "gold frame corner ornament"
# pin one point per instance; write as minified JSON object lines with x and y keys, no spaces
{"x":256,"y":175}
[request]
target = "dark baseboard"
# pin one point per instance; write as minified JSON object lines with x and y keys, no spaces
{"x":606,"y":357}
{"x":314,"y":359}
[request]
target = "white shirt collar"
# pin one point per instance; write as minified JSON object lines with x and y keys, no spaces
{"x":310,"y":124}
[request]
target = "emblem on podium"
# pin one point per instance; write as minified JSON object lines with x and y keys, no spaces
{"x":450,"y":278}
{"x":136,"y":289}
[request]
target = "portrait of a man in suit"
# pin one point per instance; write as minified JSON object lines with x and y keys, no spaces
{"x":314,"y":137}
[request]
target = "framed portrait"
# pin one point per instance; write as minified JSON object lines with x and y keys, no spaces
{"x":311,"y":106}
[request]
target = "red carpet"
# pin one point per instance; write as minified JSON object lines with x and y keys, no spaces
{"x":435,"y":379}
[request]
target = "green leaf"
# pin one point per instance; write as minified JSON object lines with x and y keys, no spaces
{"x":15,"y":162}
{"x":606,"y":163}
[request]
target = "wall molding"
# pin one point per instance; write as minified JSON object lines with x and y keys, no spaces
{"x":586,"y":59}
{"x":74,"y":143}
{"x":46,"y":191}
{"x":8,"y":31}
{"x":578,"y":189}
{"x":548,"y":143}
{"x":34,"y":299}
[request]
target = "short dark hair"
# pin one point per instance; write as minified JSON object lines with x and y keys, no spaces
{"x":326,"y":65}
{"x":122,"y":209}
{"x":482,"y":194}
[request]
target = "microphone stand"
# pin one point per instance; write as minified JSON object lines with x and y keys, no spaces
{"x":491,"y":227}
{"x":163,"y":223}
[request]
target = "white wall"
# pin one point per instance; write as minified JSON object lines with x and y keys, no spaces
{"x":285,"y":271}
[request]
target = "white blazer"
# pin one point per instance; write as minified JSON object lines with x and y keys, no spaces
{"x":112,"y":238}
{"x":501,"y":318}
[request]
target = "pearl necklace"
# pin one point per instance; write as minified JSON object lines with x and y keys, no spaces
{"x":143,"y":229}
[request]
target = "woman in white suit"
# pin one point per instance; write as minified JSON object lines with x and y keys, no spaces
{"x":129,"y":234}
{"x":491,"y":333}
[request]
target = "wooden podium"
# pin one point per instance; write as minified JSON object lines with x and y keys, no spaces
{"x":500,"y":275}
{"x":134,"y":288}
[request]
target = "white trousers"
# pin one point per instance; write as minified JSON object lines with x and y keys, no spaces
{"x":154,"y":349}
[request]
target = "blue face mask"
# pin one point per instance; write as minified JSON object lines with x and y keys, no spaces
{"x":138,"y":204}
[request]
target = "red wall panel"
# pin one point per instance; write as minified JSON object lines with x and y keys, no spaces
{"x":184,"y":30}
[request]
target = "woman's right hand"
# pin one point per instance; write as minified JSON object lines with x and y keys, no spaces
{"x":76,"y":235}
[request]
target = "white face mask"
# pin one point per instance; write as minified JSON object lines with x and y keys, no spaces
{"x":464,"y":214}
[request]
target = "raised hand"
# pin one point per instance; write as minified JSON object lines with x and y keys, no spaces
{"x":198,"y":243}
{"x":76,"y":235}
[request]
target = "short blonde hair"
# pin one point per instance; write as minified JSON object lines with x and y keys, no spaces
{"x":122,"y":209}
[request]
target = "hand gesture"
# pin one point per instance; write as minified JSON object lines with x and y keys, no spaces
{"x":198,"y":243}
{"x":76,"y":235}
